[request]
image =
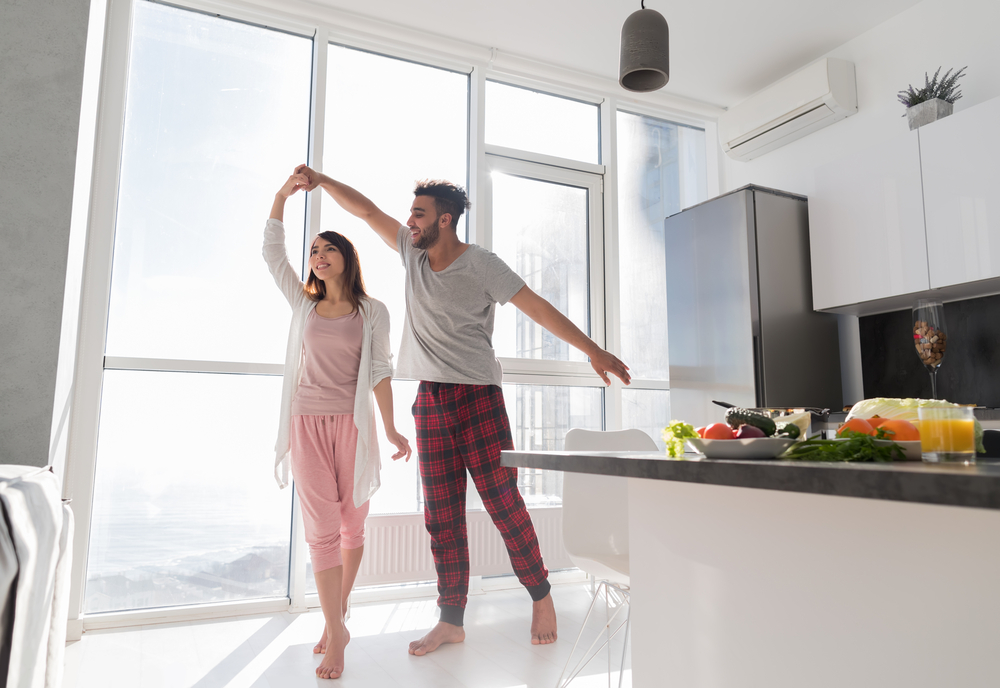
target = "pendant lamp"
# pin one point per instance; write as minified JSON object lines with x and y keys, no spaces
{"x":645,"y":57}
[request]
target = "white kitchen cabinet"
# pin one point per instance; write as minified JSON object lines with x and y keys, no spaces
{"x":866,"y":226}
{"x":960,"y":159}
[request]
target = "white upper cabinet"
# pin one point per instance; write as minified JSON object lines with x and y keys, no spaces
{"x":866,"y":226}
{"x":960,"y":158}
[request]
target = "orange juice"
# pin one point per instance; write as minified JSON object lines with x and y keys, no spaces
{"x":948,"y":435}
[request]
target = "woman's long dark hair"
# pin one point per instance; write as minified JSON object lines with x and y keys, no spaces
{"x":353,"y":281}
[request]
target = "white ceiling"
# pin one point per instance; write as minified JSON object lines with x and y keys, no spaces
{"x":721,"y":51}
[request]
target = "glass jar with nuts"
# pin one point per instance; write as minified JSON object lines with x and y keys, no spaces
{"x":929,"y":337}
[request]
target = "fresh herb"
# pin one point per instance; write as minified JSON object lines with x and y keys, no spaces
{"x":674,"y":435}
{"x":853,"y":446}
{"x":946,"y":89}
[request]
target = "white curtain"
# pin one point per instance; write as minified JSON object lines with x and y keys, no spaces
{"x":35,"y":552}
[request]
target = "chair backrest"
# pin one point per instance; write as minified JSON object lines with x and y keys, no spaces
{"x":595,"y":507}
{"x":578,"y":439}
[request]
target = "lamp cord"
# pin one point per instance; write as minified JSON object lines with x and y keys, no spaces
{"x":642,"y":4}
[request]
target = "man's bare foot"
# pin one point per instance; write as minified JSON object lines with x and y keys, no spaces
{"x":332,"y":665}
{"x":440,"y":635}
{"x":320,"y":648}
{"x":543,"y":621}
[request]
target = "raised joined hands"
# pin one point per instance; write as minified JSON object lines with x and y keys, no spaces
{"x":296,"y":182}
{"x":311,"y":176}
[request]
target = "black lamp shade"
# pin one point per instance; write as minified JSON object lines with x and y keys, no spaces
{"x":645,"y":55}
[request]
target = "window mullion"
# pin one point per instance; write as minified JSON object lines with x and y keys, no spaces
{"x":81,"y":460}
{"x":317,"y":121}
{"x":479,"y":221}
{"x":612,"y":267}
{"x":317,"y":132}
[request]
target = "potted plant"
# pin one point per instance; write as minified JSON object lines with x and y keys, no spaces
{"x":932,"y":102}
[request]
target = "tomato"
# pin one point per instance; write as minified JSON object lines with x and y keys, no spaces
{"x":718,"y":431}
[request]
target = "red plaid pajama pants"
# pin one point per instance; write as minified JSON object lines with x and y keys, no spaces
{"x":461,"y":427}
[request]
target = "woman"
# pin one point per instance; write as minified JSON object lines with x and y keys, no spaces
{"x":337,"y":357}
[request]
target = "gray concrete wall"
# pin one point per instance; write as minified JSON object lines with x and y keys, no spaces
{"x":42,"y":45}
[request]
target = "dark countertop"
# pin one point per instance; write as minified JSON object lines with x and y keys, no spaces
{"x":969,"y":486}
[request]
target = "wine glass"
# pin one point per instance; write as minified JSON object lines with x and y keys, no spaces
{"x":929,"y":337}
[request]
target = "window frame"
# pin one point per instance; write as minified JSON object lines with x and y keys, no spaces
{"x":325,"y":26}
{"x":593,"y":184}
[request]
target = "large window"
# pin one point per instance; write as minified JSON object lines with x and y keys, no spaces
{"x":546,"y":222}
{"x":185,"y":507}
{"x":381,"y":146}
{"x":526,"y":120}
{"x":661,"y":171}
{"x":216,"y":113}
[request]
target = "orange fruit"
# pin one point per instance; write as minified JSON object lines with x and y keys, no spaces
{"x":857,"y":425}
{"x":900,"y":430}
{"x":876,"y":421}
{"x":718,"y":431}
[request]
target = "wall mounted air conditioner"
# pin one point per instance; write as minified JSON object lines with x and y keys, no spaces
{"x":813,"y":97}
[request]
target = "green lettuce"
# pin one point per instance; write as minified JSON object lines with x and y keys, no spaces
{"x":674,"y":435}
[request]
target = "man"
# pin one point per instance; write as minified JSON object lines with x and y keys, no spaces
{"x":452,"y":289}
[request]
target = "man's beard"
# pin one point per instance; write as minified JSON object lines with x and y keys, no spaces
{"x":428,"y":237}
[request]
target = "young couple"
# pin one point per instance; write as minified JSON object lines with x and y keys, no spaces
{"x":338,"y":358}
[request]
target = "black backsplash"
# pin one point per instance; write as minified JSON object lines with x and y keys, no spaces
{"x":970,"y":372}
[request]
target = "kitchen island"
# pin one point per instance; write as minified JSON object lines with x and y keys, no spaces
{"x":776,"y":573}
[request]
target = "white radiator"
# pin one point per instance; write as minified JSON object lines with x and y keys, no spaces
{"x":398,"y":548}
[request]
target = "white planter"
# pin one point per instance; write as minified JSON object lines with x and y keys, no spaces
{"x":927,"y":112}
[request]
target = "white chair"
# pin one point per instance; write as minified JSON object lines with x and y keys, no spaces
{"x":595,"y":533}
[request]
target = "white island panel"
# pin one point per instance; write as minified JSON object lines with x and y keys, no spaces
{"x":737,"y":587}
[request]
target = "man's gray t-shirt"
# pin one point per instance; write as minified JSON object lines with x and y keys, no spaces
{"x":448,"y":329}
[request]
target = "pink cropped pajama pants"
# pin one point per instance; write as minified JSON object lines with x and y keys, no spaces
{"x":323,"y":450}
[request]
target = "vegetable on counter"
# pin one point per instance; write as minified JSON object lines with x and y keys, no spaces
{"x":789,"y":430}
{"x":904,"y":409}
{"x":718,"y":431}
{"x":855,"y":446}
{"x":737,"y":416}
{"x":748,"y":432}
{"x":675,"y":434}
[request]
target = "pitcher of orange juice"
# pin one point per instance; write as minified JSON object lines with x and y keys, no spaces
{"x":947,"y":434}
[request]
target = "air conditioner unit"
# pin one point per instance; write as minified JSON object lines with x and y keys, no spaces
{"x":813,"y":97}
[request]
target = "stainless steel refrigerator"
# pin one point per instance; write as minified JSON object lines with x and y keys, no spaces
{"x":741,"y":328}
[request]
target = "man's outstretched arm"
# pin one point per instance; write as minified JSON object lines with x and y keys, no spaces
{"x":546,"y":315}
{"x":355,"y":203}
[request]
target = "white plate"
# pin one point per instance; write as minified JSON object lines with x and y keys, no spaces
{"x":750,"y":448}
{"x":911,"y":450}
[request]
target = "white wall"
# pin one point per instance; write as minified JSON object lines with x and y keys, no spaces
{"x":893,"y":55}
{"x":41,"y":77}
{"x":887,"y":59}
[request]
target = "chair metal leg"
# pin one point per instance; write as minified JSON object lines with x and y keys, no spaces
{"x":628,"y":627}
{"x":623,"y":601}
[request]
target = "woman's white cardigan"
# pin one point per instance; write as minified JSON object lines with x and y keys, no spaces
{"x":375,"y":366}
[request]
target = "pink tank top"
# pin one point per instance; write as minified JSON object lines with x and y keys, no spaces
{"x":332,"y":357}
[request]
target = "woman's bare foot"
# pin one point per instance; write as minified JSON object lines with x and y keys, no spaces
{"x":332,"y":665}
{"x":321,"y":644}
{"x":320,"y":648}
{"x":440,"y":635}
{"x":543,"y":621}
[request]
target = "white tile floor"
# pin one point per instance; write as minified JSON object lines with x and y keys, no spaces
{"x":275,"y":650}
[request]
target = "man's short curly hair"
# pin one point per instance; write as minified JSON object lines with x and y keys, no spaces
{"x":448,"y":197}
